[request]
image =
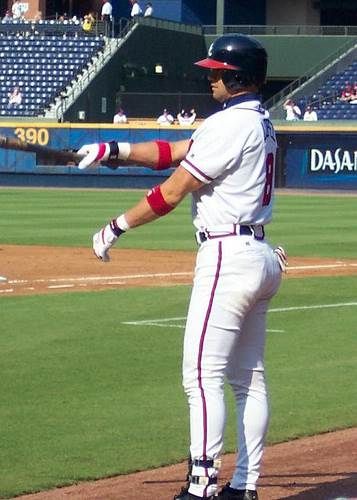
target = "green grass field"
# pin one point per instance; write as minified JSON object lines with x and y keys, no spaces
{"x":311,"y":225}
{"x":91,"y":382}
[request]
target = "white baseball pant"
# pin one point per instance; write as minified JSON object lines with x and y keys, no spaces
{"x":235,"y":278}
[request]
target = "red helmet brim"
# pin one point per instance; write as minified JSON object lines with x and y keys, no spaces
{"x":213,"y":64}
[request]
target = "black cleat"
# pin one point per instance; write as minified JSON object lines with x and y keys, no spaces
{"x":185,"y":495}
{"x":229,"y":493}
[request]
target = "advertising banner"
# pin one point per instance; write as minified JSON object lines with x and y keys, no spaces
{"x":321,"y":161}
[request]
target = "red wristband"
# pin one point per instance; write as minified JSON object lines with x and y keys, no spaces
{"x":165,"y":158}
{"x":101,"y":151}
{"x":157,"y":201}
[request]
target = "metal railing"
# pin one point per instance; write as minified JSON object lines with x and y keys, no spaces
{"x":58,"y":27}
{"x":289,"y":89}
{"x":52,"y":28}
{"x":68,"y":26}
{"x":283,"y":29}
{"x":69,"y":96}
{"x":156,"y":22}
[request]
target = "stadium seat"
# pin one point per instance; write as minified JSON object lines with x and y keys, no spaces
{"x":42,"y":67}
{"x":329,"y":91}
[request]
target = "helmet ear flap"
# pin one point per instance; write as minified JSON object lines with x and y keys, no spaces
{"x":235,"y":80}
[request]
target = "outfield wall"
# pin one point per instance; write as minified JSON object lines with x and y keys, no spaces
{"x":318,"y":155}
{"x":21,"y":169}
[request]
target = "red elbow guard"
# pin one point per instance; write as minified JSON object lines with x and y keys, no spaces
{"x":157,"y":201}
{"x":165,"y":158}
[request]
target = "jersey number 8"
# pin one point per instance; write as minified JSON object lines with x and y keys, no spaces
{"x":269,"y":177}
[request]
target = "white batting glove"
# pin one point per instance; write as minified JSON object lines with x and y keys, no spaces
{"x":93,"y":153}
{"x":105,"y":238}
{"x":282,"y":258}
{"x":102,"y":152}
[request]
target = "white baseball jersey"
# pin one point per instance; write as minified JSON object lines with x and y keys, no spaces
{"x":107,"y":9}
{"x":17,"y":10}
{"x":136,"y":10}
{"x":236,"y":275}
{"x":233,"y":152}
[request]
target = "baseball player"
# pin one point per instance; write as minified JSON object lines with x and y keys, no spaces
{"x":228,"y":167}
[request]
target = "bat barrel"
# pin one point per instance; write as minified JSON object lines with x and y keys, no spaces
{"x":49,"y":154}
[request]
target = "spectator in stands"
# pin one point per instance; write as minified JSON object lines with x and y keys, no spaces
{"x":7,"y":18}
{"x":15,"y":98}
{"x":88,"y":22}
{"x":310,"y":114}
{"x":293,"y":112}
{"x":120,"y":117}
{"x":193,"y":116}
{"x":135,"y":9}
{"x":38,"y":16}
{"x":347,"y":93}
{"x":165,"y":119}
{"x":185,"y":118}
{"x":149,"y":10}
{"x":107,"y":15}
{"x":180,"y":116}
{"x":354,"y":95}
{"x":63,"y":18}
{"x":17,"y":10}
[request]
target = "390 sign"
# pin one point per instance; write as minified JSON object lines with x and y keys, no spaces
{"x":32,"y":135}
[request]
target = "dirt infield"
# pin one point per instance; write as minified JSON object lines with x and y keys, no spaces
{"x":316,"y":468}
{"x":40,"y":269}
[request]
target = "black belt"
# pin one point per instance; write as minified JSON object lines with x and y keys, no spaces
{"x":235,"y":230}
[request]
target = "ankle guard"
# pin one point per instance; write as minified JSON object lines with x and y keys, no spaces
{"x":203,"y":478}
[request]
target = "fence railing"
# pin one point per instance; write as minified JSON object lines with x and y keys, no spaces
{"x":69,"y":26}
{"x":68,"y":97}
{"x":53,"y":27}
{"x":283,"y":29}
{"x":74,"y":27}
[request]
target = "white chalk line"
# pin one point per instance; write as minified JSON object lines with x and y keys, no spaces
{"x":119,"y":278}
{"x":67,"y":285}
{"x":162,"y":320}
{"x":321,"y":266}
{"x":179,"y":322}
{"x":102,"y":278}
{"x":317,"y":306}
{"x":83,"y":281}
{"x":166,"y":323}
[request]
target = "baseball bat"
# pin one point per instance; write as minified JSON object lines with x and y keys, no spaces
{"x":49,"y":155}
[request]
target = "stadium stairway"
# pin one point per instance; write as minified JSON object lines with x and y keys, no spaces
{"x":78,"y":86}
{"x":321,"y":88}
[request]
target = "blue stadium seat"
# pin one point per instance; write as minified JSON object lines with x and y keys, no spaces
{"x":42,"y":66}
{"x":331,"y":108}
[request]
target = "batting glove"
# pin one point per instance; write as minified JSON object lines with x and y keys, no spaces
{"x":104,"y":239}
{"x":282,"y":257}
{"x":102,"y":152}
